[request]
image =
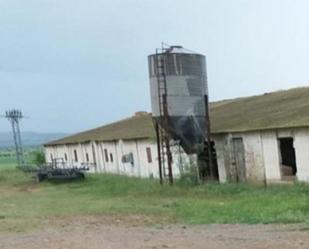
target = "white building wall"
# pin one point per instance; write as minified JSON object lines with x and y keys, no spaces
{"x":127,"y":147}
{"x":110,"y":160}
{"x":262,"y":155}
{"x":48,"y":152}
{"x":84,"y":150}
{"x":60,"y":151}
{"x":253,"y":153}
{"x":180,"y":160}
{"x":96,"y":153}
{"x":95,"y":156}
{"x":140,"y":167}
{"x":219,"y":146}
{"x":100,"y":157}
{"x":148,"y":169}
{"x":271,"y":156}
{"x":254,"y":159}
{"x":301,"y":145}
{"x":80,"y":155}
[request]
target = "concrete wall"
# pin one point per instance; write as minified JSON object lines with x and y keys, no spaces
{"x":271,"y":156}
{"x":254,"y":158}
{"x":301,"y":145}
{"x":253,"y":153}
{"x":67,"y":151}
{"x":262,"y":155}
{"x":222,"y":158}
{"x":98,"y":162}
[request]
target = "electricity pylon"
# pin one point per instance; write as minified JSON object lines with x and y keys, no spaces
{"x":14,"y":116}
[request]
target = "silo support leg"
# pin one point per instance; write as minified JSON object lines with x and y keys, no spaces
{"x":159,"y":153}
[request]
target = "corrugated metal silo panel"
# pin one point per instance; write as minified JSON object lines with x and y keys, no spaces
{"x":186,"y":87}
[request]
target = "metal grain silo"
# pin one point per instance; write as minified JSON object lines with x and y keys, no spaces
{"x":179,"y":95}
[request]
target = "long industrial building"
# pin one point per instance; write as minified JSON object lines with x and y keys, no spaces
{"x":261,"y":138}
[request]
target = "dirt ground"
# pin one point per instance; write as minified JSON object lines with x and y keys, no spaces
{"x":135,"y":232}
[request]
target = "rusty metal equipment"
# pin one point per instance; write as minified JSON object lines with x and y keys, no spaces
{"x":59,"y":170}
{"x":162,"y":128}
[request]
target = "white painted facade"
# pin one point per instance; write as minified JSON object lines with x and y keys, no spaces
{"x":106,"y":157}
{"x":262,"y":155}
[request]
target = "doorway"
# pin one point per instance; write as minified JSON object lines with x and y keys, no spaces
{"x":239,"y":159}
{"x":288,"y":158}
{"x":208,"y":172}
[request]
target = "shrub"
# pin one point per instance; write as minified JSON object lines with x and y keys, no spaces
{"x":38,"y":157}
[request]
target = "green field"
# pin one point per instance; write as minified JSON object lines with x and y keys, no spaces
{"x":7,"y":156}
{"x":7,"y":160}
{"x":25,"y":204}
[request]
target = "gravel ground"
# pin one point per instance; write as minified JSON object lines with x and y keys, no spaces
{"x":105,"y":233}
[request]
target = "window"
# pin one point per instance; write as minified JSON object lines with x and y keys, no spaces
{"x":65,"y":157}
{"x":75,"y":156}
{"x":128,"y":158}
{"x":111,"y":157}
{"x":106,"y":155}
{"x":51,"y":157}
{"x":149,"y":156}
{"x":87,"y":157}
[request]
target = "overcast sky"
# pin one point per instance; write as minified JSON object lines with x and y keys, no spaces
{"x":74,"y":64}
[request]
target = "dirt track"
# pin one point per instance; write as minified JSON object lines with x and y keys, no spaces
{"x":93,"y":234}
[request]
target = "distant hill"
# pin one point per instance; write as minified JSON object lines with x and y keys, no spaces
{"x":29,"y":138}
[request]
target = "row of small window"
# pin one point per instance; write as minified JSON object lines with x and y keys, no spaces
{"x":110,"y":156}
{"x":107,"y":158}
{"x":148,"y":153}
{"x":75,"y":157}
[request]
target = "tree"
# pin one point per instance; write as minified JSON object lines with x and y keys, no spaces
{"x":38,"y":157}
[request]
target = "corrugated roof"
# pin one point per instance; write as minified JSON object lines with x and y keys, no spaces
{"x":281,"y":109}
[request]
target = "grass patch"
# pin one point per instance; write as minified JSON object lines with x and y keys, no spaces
{"x":24,"y":204}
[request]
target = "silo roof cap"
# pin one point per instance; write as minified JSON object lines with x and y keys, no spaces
{"x":178,"y":49}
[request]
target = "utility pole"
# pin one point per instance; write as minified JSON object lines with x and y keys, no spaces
{"x":14,"y":116}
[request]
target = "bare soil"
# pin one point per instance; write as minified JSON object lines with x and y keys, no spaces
{"x":110,"y":232}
